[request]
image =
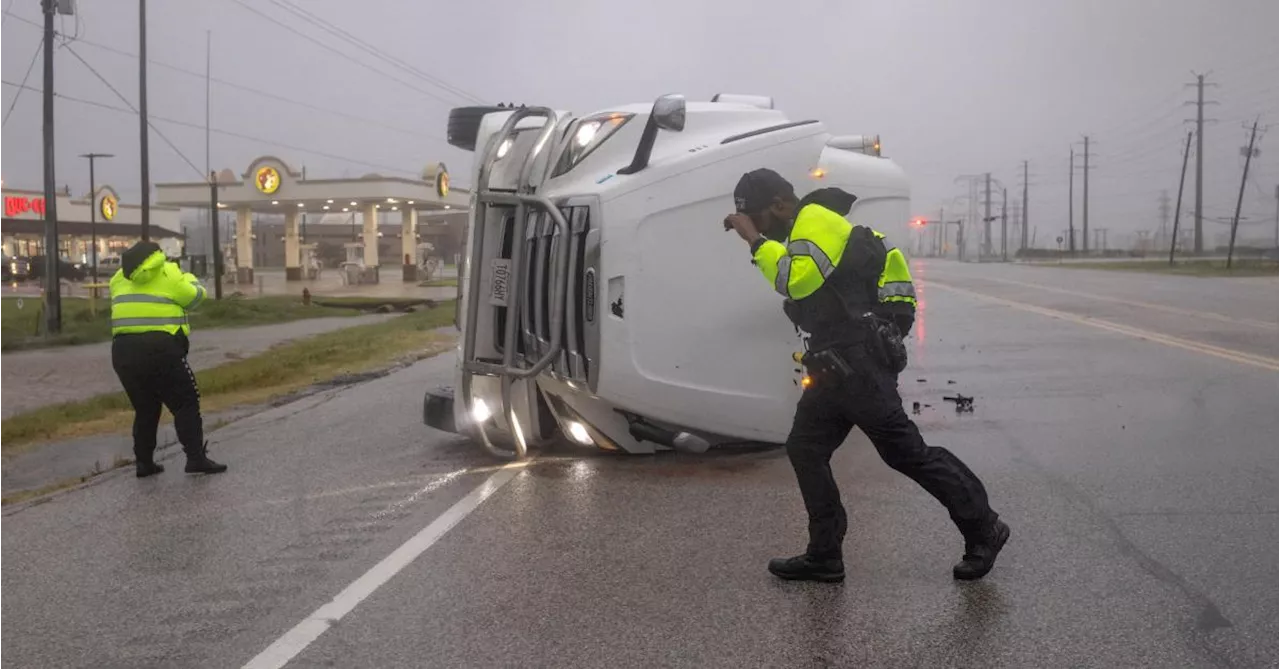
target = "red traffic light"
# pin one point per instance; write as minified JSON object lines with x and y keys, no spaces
{"x":919,"y":222}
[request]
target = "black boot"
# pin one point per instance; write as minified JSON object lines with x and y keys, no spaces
{"x":147,"y":468}
{"x":200,"y":463}
{"x":980,"y":552}
{"x":805,"y":568}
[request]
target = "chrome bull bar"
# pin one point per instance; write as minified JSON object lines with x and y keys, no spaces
{"x":526,"y":201}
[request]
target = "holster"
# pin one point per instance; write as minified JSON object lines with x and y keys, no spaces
{"x":886,"y":344}
{"x":826,"y":365}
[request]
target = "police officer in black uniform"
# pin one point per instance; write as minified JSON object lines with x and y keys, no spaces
{"x":853,"y":360}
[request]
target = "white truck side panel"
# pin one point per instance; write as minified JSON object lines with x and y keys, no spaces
{"x":703,"y":341}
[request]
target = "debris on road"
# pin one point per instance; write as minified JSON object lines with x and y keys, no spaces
{"x":963,"y":404}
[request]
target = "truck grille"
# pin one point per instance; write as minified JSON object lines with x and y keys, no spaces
{"x":542,"y":239}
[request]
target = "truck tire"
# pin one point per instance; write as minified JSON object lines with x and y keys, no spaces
{"x":464,"y":125}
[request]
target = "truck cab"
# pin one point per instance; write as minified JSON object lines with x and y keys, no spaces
{"x":600,"y":298}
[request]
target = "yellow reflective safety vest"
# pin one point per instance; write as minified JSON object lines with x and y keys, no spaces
{"x":895,"y":280}
{"x":810,"y":255}
{"x":815,"y":248}
{"x":828,"y":269}
{"x":155,"y":297}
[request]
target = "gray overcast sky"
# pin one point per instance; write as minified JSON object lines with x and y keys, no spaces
{"x":952,"y":87}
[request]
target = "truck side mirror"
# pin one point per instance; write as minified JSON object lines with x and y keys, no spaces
{"x":668,"y":113}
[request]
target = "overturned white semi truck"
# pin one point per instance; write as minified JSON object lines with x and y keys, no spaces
{"x":600,"y":298}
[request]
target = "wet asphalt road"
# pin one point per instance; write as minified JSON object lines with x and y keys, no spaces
{"x":1139,"y":476}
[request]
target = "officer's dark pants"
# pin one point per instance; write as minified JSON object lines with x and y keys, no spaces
{"x":153,"y":369}
{"x":869,"y":400}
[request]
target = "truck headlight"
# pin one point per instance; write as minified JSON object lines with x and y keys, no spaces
{"x":578,"y":432}
{"x":587,"y":135}
{"x":504,"y":147}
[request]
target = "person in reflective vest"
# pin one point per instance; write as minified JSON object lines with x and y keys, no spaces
{"x":150,"y":298}
{"x":835,"y":277}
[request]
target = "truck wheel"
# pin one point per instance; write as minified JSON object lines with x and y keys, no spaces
{"x":464,"y":125}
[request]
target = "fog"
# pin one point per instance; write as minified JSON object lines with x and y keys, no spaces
{"x":952,"y":88}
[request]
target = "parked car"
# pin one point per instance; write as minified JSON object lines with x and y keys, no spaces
{"x":16,"y":268}
{"x":66,"y":269}
{"x":107,"y":265}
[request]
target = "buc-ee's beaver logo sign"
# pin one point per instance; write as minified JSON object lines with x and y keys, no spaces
{"x":442,"y":183}
{"x":108,"y":207}
{"x":267,"y":180}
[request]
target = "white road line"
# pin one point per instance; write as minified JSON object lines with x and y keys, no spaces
{"x":289,"y":646}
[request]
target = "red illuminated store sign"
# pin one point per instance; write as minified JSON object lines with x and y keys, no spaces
{"x":14,"y":205}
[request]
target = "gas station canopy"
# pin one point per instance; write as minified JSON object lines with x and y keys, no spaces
{"x":270,"y":186}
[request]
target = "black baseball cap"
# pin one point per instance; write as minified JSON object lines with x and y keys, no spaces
{"x":756,"y":189}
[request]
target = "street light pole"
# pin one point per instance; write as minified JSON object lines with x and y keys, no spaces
{"x":93,"y":207}
{"x":143,"y":130}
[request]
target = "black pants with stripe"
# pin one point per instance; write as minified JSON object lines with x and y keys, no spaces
{"x":152,"y":367}
{"x":869,"y":400}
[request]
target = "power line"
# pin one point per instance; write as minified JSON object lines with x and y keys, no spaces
{"x":312,"y":18}
{"x":250,"y":89}
{"x":5,"y":15}
{"x":130,"y":104}
{"x":345,"y":55}
{"x":30,"y":66}
{"x":228,"y":133}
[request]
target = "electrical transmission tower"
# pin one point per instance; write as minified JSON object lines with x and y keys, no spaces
{"x":1085,"y":203}
{"x":1025,"y":215}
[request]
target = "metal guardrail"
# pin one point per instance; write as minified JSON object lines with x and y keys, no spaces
{"x":526,"y":201}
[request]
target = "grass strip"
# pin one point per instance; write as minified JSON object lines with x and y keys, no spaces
{"x":282,"y":370}
{"x":21,"y":319}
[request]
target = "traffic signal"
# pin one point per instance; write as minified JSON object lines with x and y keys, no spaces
{"x":919,"y":222}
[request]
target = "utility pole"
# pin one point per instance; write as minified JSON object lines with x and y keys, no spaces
{"x":52,"y":290}
{"x":1015,"y":214}
{"x":971,"y":216}
{"x":143,"y":130}
{"x":1071,"y":203}
{"x":208,"y":72}
{"x":1025,"y":201}
{"x":1004,"y":226}
{"x":940,"y":235}
{"x":93,"y":207}
{"x":1235,"y":220}
{"x":1177,"y":209}
{"x":1200,"y":121}
{"x":986,"y":220}
{"x":1199,"y":244}
{"x":217,"y":245}
{"x":971,"y":219}
{"x":1164,"y":216}
{"x":1085,"y":221}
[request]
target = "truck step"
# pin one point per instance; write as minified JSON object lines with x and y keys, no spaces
{"x":437,"y":409}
